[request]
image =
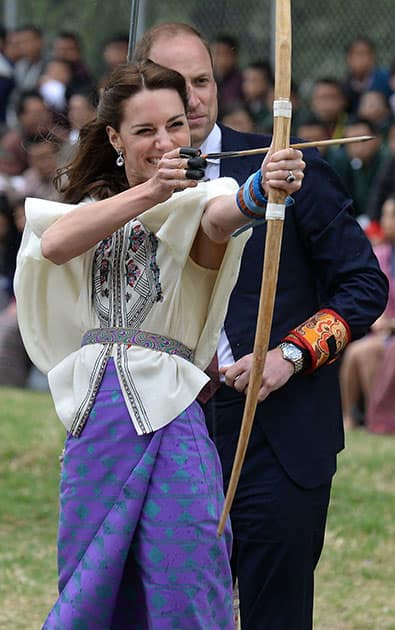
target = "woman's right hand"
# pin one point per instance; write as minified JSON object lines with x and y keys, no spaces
{"x":170,"y":176}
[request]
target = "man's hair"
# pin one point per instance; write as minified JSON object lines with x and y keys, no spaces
{"x":330,"y":81}
{"x":25,"y":96}
{"x":118,"y":38}
{"x":31,"y":28}
{"x":166,"y":30}
{"x":358,"y":120}
{"x":41,"y":138}
{"x":71,"y":35}
{"x":264,"y":67}
{"x":228,"y":40}
{"x":361,"y":39}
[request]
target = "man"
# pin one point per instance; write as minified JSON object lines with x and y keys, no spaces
{"x":7,"y":81}
{"x":31,"y":63}
{"x":34,"y":118}
{"x":67,"y":46}
{"x":225,"y":50}
{"x":360,"y":164}
{"x":328,"y":278}
{"x":328,"y":104}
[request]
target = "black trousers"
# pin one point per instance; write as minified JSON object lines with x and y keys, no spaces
{"x":278,"y":526}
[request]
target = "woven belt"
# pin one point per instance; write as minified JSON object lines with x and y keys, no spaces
{"x":136,"y":337}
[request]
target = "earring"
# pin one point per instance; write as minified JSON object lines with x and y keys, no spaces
{"x":120,"y":161}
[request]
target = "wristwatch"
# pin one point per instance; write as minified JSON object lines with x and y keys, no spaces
{"x":293,"y":354}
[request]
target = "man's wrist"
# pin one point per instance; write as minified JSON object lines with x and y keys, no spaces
{"x":292,"y":353}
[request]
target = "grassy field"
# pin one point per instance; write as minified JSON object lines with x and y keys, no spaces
{"x":356,"y":578}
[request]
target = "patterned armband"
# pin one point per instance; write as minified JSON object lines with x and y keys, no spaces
{"x":324,"y":335}
{"x":251,"y":201}
{"x":250,"y":197}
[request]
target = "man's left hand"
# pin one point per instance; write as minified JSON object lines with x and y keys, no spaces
{"x":276,"y":373}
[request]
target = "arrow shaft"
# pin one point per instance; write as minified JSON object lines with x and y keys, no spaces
{"x":297,"y":145}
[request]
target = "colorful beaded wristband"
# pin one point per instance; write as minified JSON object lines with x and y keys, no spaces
{"x":250,"y":198}
{"x":324,"y":335}
{"x":252,"y":202}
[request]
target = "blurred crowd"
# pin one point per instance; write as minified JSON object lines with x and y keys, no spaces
{"x":48,"y":92}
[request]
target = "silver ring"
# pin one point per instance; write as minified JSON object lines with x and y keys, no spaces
{"x":236,"y":378}
{"x":291,"y":177}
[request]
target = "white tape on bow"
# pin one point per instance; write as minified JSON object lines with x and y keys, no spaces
{"x":275,"y":211}
{"x":282,"y":108}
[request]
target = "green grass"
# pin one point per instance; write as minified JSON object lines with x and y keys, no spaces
{"x":30,"y":442}
{"x":355,"y":585}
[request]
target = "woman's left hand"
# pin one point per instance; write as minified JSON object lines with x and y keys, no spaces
{"x":284,"y":170}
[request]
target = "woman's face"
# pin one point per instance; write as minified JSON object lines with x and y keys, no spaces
{"x":388,"y":220}
{"x":154,"y":123}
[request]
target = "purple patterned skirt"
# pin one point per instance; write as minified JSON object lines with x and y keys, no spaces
{"x":137,"y":545}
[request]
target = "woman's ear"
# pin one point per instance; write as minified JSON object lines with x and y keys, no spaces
{"x":114,"y":138}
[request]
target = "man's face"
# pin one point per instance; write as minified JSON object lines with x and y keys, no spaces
{"x":43,"y":158}
{"x":66,"y":48}
{"x":188,"y":55}
{"x":363,"y":151}
{"x":30,"y":44}
{"x":36,"y":116}
{"x":327,"y":102}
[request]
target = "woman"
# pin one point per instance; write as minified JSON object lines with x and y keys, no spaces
{"x":368,"y":367}
{"x":142,"y":274}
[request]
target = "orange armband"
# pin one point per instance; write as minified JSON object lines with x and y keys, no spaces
{"x":324,"y":335}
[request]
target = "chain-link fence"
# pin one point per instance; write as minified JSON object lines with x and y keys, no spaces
{"x":321,"y":29}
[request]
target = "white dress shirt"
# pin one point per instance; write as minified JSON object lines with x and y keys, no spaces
{"x":213,"y":144}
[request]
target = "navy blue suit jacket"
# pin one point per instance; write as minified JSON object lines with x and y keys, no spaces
{"x":326,"y":261}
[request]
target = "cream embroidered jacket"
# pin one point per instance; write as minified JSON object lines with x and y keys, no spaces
{"x":141,"y":277}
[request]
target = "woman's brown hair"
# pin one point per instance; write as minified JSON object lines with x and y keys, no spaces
{"x":93,"y":170}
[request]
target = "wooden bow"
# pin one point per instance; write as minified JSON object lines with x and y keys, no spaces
{"x":275,"y":215}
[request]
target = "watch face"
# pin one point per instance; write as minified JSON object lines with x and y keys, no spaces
{"x":293,"y":353}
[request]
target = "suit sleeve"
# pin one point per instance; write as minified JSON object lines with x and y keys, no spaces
{"x":350,"y":284}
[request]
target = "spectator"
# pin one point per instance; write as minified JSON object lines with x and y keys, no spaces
{"x":81,"y":109}
{"x":12,"y":49}
{"x":363,"y":371}
{"x":384,"y":184}
{"x":225,"y":52}
{"x":29,"y":67}
{"x":258,"y":93}
{"x":15,"y":365}
{"x":359,"y":163}
{"x":115,"y":52}
{"x":237,"y":116}
{"x":67,"y":46}
{"x":9,"y":242}
{"x":374,"y":106}
{"x":7,"y":81}
{"x":54,"y":82}
{"x":313,"y":129}
{"x":363,"y":73}
{"x":328,"y":104}
{"x":380,"y":414}
{"x":34,"y":118}
{"x":37,"y":180}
